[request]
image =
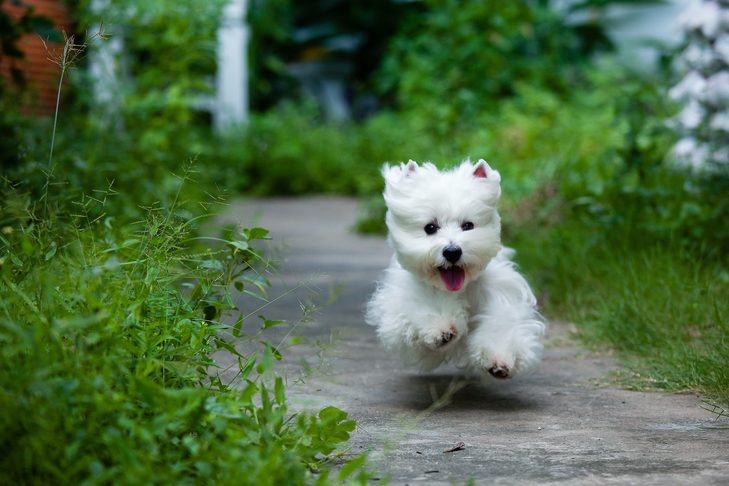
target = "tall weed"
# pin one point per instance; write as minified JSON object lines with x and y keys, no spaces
{"x":107,"y":375}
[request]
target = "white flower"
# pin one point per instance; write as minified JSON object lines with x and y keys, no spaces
{"x":704,"y":16}
{"x":691,"y":116}
{"x":684,"y":147}
{"x":697,"y":56}
{"x":690,"y":153}
{"x":721,"y":46}
{"x":717,"y":88}
{"x":721,"y":156}
{"x":720,"y":121}
{"x":691,"y":86}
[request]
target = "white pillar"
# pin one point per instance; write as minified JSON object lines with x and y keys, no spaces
{"x":105,"y":67}
{"x":231,"y":81}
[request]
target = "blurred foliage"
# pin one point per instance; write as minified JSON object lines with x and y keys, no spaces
{"x":13,"y":28}
{"x":633,"y":187}
{"x":354,"y":34}
{"x":164,"y":76}
{"x":155,"y":118}
{"x":474,"y":53}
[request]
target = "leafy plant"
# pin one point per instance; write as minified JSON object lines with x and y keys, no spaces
{"x":475,"y":53}
{"x":108,"y":332}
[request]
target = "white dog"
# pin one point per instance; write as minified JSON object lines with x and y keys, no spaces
{"x":451,"y":293}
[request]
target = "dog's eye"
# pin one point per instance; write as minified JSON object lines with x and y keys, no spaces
{"x":467,"y":226}
{"x":431,"y":228}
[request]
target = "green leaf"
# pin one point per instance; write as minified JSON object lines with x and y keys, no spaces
{"x":352,"y":466}
{"x":248,"y":393}
{"x":279,"y":393}
{"x":247,"y":367}
{"x":239,"y":245}
{"x":223,"y":344}
{"x":275,"y":352}
{"x":255,"y":295}
{"x":332,"y":414}
{"x":260,"y":282}
{"x":212,"y":264}
{"x":255,"y":233}
{"x":237,"y":326}
{"x":271,"y":322}
{"x":50,"y":253}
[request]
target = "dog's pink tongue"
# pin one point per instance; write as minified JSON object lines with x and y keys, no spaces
{"x":453,"y":277}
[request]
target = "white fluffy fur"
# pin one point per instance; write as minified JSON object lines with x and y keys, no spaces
{"x":490,"y":324}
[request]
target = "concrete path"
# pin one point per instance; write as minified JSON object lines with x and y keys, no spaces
{"x":561,"y":424}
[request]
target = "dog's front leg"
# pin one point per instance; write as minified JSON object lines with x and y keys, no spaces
{"x":438,"y":331}
{"x":423,"y":338}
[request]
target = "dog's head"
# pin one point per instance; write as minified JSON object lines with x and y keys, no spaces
{"x":443,"y":226}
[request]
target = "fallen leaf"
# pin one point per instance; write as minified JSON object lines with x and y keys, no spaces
{"x":458,"y":447}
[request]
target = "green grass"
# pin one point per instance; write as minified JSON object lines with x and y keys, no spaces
{"x":660,"y":306}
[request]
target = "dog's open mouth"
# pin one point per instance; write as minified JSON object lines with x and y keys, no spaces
{"x":453,"y":277}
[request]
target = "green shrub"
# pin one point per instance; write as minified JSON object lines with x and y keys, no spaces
{"x":459,"y":58}
{"x":628,"y":183}
{"x":107,"y":335}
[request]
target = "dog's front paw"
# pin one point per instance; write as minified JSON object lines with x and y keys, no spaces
{"x":450,"y":334}
{"x":440,"y":337}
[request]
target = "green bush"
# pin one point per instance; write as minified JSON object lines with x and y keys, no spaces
{"x":459,"y":58}
{"x":108,"y":331}
{"x":628,"y":183}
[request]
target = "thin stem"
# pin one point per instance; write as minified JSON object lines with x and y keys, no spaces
{"x":55,"y":114}
{"x":67,"y":45}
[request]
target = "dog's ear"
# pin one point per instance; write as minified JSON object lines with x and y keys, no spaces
{"x":480,"y":170}
{"x":483,"y":170}
{"x":395,"y":173}
{"x":411,"y":167}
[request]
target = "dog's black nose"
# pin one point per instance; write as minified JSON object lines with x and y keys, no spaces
{"x":452,"y":253}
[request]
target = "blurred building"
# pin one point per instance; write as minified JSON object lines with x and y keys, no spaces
{"x":36,"y":69}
